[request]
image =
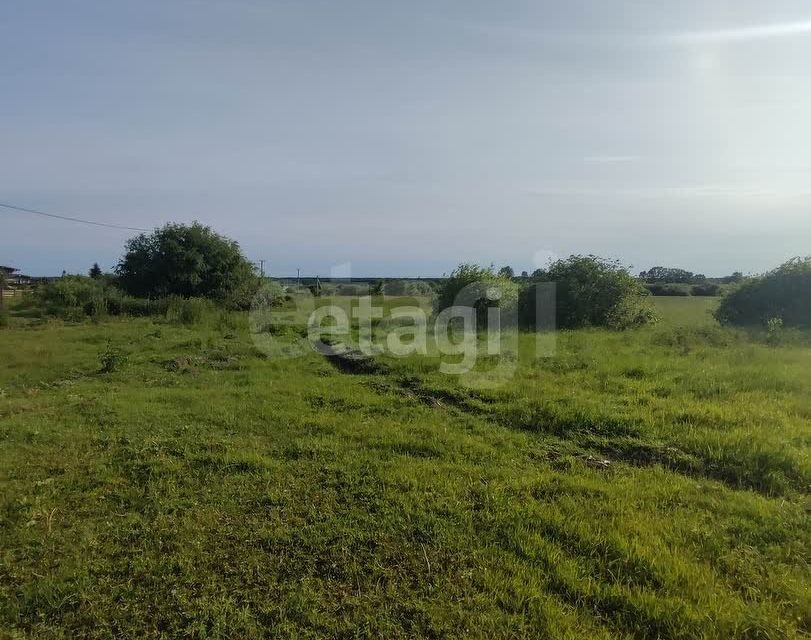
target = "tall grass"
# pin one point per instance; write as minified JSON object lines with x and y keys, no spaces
{"x":189,"y":310}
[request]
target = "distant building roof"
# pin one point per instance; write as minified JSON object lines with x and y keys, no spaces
{"x":8,"y":269}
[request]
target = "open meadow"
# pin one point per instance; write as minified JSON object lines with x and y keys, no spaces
{"x":405,"y":320}
{"x":168,"y":479}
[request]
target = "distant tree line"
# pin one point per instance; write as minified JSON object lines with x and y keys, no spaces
{"x":659,"y":281}
{"x":671,"y":281}
{"x":671,"y":275}
{"x":678,"y":289}
{"x":191,"y":262}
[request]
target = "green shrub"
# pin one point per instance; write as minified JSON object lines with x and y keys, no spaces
{"x":111,"y":359}
{"x":70,"y":293}
{"x":141,"y":307}
{"x":239,"y":296}
{"x":590,"y":292}
{"x":394,"y":288}
{"x":681,"y":289}
{"x":784,"y":294}
{"x":407,"y":288}
{"x":667,"y":290}
{"x":708,"y":289}
{"x":480,"y":288}
{"x":775,"y":330}
{"x":351,"y":290}
{"x":76,"y":297}
{"x":4,"y":318}
{"x":269,"y":294}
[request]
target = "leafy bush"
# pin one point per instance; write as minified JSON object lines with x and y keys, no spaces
{"x":142,"y":307}
{"x":270,"y":294}
{"x":73,"y":296}
{"x":708,"y":289}
{"x":783,"y":294}
{"x":187,"y":261}
{"x":76,"y":297}
{"x":590,"y":292}
{"x":351,"y":290}
{"x":407,"y":288}
{"x":394,"y":288}
{"x":735,"y":278}
{"x":4,"y":318}
{"x":774,"y":331}
{"x":480,"y":288}
{"x":111,"y":359}
{"x":667,"y":290}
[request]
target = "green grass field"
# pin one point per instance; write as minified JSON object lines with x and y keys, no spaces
{"x":643,"y":484}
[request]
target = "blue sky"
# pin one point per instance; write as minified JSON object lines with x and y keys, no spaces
{"x":404,"y":138}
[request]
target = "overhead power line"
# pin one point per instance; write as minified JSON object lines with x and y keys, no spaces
{"x":70,"y":218}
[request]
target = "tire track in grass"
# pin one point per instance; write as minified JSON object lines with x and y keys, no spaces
{"x":612,"y":439}
{"x":589,"y":442}
{"x":619,"y":590}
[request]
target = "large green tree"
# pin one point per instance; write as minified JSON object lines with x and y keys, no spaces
{"x":189,"y":261}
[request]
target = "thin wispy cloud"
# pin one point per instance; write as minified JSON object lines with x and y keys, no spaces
{"x":676,"y":191}
{"x":739,"y":34}
{"x":518,"y":33}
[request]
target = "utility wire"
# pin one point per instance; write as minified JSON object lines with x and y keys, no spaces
{"x":70,"y":218}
